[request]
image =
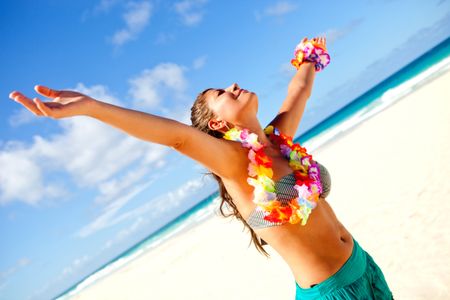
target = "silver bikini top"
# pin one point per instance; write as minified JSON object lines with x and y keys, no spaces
{"x":284,"y":188}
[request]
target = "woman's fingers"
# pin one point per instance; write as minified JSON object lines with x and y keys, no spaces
{"x":320,"y":40}
{"x":42,"y":107}
{"x":52,"y":109}
{"x":30,"y":105}
{"x":64,"y":104}
{"x":45,"y":91}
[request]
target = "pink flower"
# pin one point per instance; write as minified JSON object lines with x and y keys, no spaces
{"x":244,"y":134}
{"x":251,"y":156}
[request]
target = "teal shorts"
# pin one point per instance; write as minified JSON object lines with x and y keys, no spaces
{"x":359,"y":278}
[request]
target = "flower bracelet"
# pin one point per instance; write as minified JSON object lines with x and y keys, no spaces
{"x":310,"y":51}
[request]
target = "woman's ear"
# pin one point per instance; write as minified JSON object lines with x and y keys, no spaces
{"x":216,"y":125}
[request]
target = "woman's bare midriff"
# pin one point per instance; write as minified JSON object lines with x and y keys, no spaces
{"x":314,"y":252}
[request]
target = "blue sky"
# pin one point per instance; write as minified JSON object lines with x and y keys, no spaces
{"x":74,"y":193}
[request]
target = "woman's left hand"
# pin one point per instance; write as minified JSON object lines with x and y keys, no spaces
{"x":63,"y":103}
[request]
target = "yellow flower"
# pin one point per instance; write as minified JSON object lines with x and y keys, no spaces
{"x":268,"y":129}
{"x":296,"y":165}
{"x":232,"y":134}
{"x":268,"y":172}
{"x":294,"y":219}
{"x":267,"y":183}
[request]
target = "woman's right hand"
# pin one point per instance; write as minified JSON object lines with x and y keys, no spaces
{"x":64,"y":103}
{"x":322,"y":41}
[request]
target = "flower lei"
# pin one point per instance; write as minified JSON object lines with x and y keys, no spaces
{"x":311,"y":51}
{"x":306,"y":173}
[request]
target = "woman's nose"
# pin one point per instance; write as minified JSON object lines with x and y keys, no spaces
{"x":234,"y":87}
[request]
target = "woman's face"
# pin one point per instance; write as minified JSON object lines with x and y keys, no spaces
{"x":232,"y":104}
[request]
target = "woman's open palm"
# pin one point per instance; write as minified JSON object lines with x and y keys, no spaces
{"x":63,"y":104}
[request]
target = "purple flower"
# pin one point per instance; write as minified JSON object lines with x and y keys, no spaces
{"x":306,"y":160}
{"x":314,"y":177}
{"x":313,"y":170}
{"x":285,"y":150}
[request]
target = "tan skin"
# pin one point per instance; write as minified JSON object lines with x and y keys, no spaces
{"x":314,"y":252}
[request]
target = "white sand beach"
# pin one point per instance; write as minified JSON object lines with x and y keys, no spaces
{"x":390,"y":189}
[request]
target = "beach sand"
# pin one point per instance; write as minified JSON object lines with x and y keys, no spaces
{"x":390,"y":189}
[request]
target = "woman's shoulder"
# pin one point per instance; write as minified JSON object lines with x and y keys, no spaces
{"x":220,"y":156}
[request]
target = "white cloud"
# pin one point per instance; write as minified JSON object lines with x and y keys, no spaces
{"x":123,"y":234}
{"x":148,"y":211}
{"x":21,"y":177}
{"x":287,"y":70}
{"x":176,"y":197}
{"x":90,"y":151}
{"x":164,"y":38}
{"x":190,"y":11}
{"x":99,"y":92}
{"x":76,"y":264}
{"x":138,"y":223}
{"x":334,"y":34}
{"x":108,"y":216}
{"x":180,"y":114}
{"x":149,"y":88}
{"x":136,"y":18}
{"x":21,"y":117}
{"x":165,"y":202}
{"x":111,"y":189}
{"x":199,"y":62}
{"x":48,"y":288}
{"x":104,"y":6}
{"x":21,"y":263}
{"x":278,"y":9}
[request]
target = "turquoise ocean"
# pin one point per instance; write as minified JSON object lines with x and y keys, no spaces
{"x":422,"y":70}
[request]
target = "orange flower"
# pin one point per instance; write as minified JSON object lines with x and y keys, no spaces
{"x":281,"y":214}
{"x":277,"y":212}
{"x":301,"y":175}
{"x":262,"y":159}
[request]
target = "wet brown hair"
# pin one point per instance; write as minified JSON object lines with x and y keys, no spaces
{"x":200,"y":116}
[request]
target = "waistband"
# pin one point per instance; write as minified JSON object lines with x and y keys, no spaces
{"x":352,"y":270}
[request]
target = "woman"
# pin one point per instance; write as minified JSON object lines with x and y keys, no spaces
{"x":326,"y":262}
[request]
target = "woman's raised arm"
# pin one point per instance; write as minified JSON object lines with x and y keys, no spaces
{"x":188,"y":140}
{"x":299,"y":90}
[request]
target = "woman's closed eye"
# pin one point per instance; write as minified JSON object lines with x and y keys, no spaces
{"x":220,"y":92}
